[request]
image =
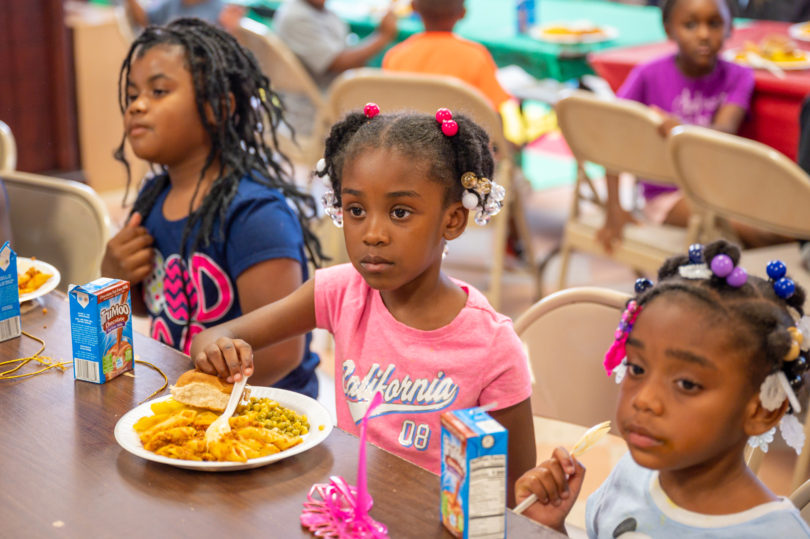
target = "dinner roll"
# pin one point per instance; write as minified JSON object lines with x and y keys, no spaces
{"x":196,"y":388}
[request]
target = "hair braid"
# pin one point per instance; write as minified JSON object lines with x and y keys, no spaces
{"x":758,"y":318}
{"x":414,"y":135}
{"x":240,"y":113}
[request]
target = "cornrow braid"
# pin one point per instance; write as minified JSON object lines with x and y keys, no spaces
{"x":758,"y":317}
{"x":221,"y":68}
{"x":414,"y":135}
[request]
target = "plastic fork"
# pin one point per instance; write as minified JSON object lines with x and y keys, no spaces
{"x":587,"y":441}
{"x":220,"y":427}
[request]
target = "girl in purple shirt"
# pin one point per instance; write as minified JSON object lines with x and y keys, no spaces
{"x":692,"y":86}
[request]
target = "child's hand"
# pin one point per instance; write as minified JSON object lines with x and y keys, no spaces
{"x":556,"y":483}
{"x":129,"y":253}
{"x":388,"y":25}
{"x":612,"y":231}
{"x":227,"y":358}
{"x":668,"y":121}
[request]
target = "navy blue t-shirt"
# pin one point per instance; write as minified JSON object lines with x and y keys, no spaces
{"x":259,"y":226}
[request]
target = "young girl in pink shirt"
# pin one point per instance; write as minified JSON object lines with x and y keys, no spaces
{"x":402,"y":186}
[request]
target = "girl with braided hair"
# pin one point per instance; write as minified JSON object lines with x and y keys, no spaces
{"x":402,"y":186}
{"x":709,"y":360}
{"x":220,"y":229}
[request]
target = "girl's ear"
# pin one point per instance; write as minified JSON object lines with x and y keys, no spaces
{"x":759,"y":419}
{"x":455,"y":220}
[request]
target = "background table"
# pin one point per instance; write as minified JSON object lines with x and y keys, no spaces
{"x":774,"y":115}
{"x":63,"y":474}
{"x":493,"y":24}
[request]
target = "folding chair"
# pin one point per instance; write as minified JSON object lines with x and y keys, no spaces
{"x":62,"y":222}
{"x":289,"y":76}
{"x":8,"y":148}
{"x":621,"y":136}
{"x":427,"y":93}
{"x":566,"y":335}
{"x":745,"y":181}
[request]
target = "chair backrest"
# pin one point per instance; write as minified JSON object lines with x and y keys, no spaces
{"x":8,"y":148}
{"x":394,"y":90}
{"x":618,"y":134}
{"x":62,"y":222}
{"x":741,"y":179}
{"x":567,"y":334}
{"x":277,"y":61}
{"x":289,"y":77}
{"x":801,"y":499}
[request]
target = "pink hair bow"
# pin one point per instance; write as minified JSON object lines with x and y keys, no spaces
{"x":616,"y":353}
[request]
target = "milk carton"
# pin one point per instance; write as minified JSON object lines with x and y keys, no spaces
{"x":473,"y":481}
{"x":9,"y":294}
{"x":101,"y":330}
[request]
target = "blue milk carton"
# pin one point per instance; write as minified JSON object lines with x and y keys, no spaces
{"x":473,"y":481}
{"x":9,"y":294}
{"x":101,"y":330}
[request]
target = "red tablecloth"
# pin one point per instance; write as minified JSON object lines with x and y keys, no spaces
{"x":775,"y":105}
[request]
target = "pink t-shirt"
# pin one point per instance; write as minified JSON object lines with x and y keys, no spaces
{"x":474,"y":360}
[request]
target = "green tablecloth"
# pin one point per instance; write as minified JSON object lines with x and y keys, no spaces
{"x":493,"y":23}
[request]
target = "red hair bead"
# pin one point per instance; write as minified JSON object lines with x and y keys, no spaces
{"x":371,"y":110}
{"x":449,"y":128}
{"x":443,"y":115}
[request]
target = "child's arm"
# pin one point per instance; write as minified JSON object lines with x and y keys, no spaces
{"x":522,"y":455}
{"x":556,"y":482}
{"x":367,"y":49}
{"x":728,"y":118}
{"x":615,"y":216}
{"x":260,"y":285}
{"x":226,"y":350}
{"x":129,"y":256}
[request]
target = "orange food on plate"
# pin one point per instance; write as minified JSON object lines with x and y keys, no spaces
{"x":571,"y":31}
{"x":31,"y":280}
{"x":776,"y":48}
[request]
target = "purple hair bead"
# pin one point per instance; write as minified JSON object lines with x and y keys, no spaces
{"x":722,"y":265}
{"x":737,"y":277}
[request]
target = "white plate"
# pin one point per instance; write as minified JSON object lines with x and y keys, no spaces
{"x":731,"y":56}
{"x":316,"y":414}
{"x":800,"y":31}
{"x":607,"y":33}
{"x":23,"y":264}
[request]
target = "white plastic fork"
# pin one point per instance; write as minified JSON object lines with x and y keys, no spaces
{"x":221,"y":426}
{"x":587,"y":441}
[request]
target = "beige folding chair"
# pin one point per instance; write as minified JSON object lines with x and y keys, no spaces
{"x":801,"y":499}
{"x":62,"y":222}
{"x":288,"y":75}
{"x":427,"y":93}
{"x":566,"y":335}
{"x":747,"y":182}
{"x":8,"y":148}
{"x":621,"y":136}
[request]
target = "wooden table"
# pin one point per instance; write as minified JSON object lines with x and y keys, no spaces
{"x":63,"y":474}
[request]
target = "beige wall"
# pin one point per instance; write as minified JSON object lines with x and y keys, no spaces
{"x":100,"y":44}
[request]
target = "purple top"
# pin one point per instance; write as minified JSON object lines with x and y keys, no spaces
{"x":693,"y":100}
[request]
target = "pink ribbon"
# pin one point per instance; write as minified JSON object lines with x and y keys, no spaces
{"x":617,"y":352}
{"x":331,"y":511}
{"x":337,"y":510}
